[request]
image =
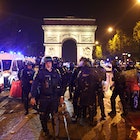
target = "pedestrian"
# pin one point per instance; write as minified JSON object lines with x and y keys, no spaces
{"x":119,"y":89}
{"x":49,"y":80}
{"x":27,"y":78}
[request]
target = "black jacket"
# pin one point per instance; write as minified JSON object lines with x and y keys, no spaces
{"x":26,"y":77}
{"x":49,"y":83}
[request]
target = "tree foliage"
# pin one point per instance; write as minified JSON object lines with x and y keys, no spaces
{"x":123,"y":43}
{"x":136,"y":32}
{"x":119,"y":43}
{"x":99,"y":51}
{"x":136,"y":40}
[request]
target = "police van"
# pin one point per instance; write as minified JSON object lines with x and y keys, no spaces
{"x":10,"y":63}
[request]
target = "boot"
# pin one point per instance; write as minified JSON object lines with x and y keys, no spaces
{"x":103,"y":118}
{"x":112,"y":113}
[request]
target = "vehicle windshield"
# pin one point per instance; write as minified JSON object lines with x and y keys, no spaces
{"x":20,"y":64}
{"x":6,"y":64}
{"x":14,"y":67}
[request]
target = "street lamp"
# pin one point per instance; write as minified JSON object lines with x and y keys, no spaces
{"x":138,"y":1}
{"x":110,"y":29}
{"x":96,"y":42}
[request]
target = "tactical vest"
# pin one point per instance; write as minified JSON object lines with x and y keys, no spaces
{"x":50,"y":83}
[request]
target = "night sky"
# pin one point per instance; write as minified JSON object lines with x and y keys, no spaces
{"x":21,"y":20}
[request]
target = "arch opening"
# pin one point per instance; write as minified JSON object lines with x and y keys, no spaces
{"x":69,"y":51}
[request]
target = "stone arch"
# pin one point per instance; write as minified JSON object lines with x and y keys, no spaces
{"x":69,"y":38}
{"x":57,"y":30}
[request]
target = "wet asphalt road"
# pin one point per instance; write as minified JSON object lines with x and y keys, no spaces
{"x":14,"y":125}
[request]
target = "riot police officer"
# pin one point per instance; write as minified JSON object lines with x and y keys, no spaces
{"x":74,"y":88}
{"x":87,"y":97}
{"x":100,"y":76}
{"x":49,"y":81}
{"x":26,"y":77}
{"x":119,"y":89}
{"x":58,"y":64}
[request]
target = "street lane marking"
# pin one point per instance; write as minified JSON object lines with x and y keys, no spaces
{"x":2,"y":112}
{"x":2,"y":118}
{"x":15,"y":129}
{"x":3,"y":103}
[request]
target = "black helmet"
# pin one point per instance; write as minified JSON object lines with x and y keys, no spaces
{"x":29,"y":63}
{"x":48,"y":59}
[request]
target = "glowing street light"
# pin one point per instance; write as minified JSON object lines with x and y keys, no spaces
{"x":110,"y":29}
{"x":138,"y":1}
{"x":96,"y":42}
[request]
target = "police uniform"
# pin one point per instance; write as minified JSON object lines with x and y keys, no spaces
{"x":101,"y":75}
{"x":75,"y":90}
{"x":57,"y":64}
{"x":119,"y":88}
{"x":50,"y":91}
{"x":87,"y":86}
{"x":26,"y":78}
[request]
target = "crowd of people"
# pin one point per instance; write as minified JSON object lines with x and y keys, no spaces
{"x":47,"y":83}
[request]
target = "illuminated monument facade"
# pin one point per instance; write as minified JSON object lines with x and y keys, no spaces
{"x":58,"y":30}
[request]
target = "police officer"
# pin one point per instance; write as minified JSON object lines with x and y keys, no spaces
{"x":100,"y":76}
{"x":87,"y":96}
{"x":49,"y":81}
{"x":27,"y":78}
{"x":57,"y":63}
{"x":74,"y":88}
{"x":69,"y":75}
{"x":119,"y":88}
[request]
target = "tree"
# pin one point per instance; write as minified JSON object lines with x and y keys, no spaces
{"x":98,"y":52}
{"x":136,"y":32}
{"x":119,"y":43}
{"x":136,"y":39}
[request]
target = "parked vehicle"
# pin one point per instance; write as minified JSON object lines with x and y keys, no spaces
{"x":9,"y":67}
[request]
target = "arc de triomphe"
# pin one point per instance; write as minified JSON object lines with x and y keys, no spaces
{"x":58,"y":30}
